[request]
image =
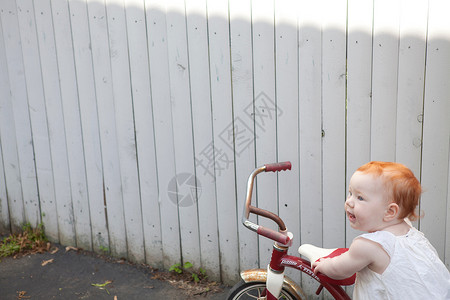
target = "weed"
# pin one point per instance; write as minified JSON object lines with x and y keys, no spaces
{"x":197,"y":276}
{"x":104,"y":250}
{"x":192,"y":281}
{"x":30,"y":240}
{"x":176,"y":268}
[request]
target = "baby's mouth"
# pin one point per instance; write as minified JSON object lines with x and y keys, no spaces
{"x":351,"y":217}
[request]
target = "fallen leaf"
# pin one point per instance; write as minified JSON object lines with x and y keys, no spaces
{"x":102,"y":284}
{"x":68,"y":248}
{"x":21,"y":295}
{"x":54,"y":251}
{"x":115,"y":297}
{"x":47,"y":262}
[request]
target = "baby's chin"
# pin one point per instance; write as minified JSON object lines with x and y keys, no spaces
{"x":356,"y":227}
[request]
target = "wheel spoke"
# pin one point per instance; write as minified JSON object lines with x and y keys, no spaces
{"x":251,"y":295}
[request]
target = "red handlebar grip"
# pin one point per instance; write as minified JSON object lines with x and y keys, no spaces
{"x":276,"y":167}
{"x":273,"y":235}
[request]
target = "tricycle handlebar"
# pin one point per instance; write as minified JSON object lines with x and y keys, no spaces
{"x":281,"y":236}
{"x":277,"y":167}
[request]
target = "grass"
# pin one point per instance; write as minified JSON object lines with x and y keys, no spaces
{"x":187,"y":267}
{"x":192,"y":281}
{"x":30,"y":240}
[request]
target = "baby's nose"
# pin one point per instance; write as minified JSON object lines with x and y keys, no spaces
{"x":349,"y":202}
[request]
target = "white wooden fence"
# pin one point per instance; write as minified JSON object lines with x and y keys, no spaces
{"x":132,"y":125}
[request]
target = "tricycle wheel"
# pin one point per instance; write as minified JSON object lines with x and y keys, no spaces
{"x":254,"y":290}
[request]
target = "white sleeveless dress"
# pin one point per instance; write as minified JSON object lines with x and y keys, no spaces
{"x":414,"y":272}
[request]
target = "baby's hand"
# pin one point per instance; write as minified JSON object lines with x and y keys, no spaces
{"x":318,"y":265}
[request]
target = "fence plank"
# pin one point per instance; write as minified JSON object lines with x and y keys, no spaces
{"x":13,"y":187}
{"x":143,"y":122}
{"x":310,"y":121}
{"x":180,"y":96}
{"x":12,"y":63}
{"x":126,"y":141}
{"x":436,"y":131}
{"x":5,"y":134}
{"x":411,"y":68}
{"x":4,"y":211}
{"x":107,"y":126}
{"x":359,"y":94}
{"x":226,"y":168}
{"x":72,"y":123}
{"x":447,"y":229}
{"x":34,"y":116}
{"x":310,"y":115}
{"x":205,"y":161}
{"x":165,"y":157}
{"x":20,"y":210}
{"x":72,"y":211}
{"x":242,"y":119}
{"x":7,"y":127}
{"x":64,"y":72}
{"x":286,"y":41}
{"x":265,"y":114}
{"x":76,"y":12}
{"x":384,"y":79}
{"x":333,"y":112}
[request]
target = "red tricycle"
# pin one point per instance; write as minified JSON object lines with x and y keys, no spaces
{"x":272,"y":283}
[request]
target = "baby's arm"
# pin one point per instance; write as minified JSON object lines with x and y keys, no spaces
{"x":345,"y":265}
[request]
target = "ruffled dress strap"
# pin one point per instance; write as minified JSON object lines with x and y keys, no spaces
{"x":384,"y":238}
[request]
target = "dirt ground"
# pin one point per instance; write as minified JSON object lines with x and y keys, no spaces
{"x":75,"y":274}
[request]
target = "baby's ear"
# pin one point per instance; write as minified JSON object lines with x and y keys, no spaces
{"x":392,"y":212}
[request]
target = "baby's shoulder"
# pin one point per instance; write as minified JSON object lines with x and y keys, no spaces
{"x":365,"y":242}
{"x":384,"y":239}
{"x":377,"y":257}
{"x":378,"y":243}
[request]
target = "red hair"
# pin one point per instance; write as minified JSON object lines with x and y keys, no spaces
{"x":404,"y":186}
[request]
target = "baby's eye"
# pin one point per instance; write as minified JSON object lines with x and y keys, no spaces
{"x":349,"y":193}
{"x":360,"y":198}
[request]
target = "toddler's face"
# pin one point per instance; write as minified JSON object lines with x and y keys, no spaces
{"x":366,"y":202}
